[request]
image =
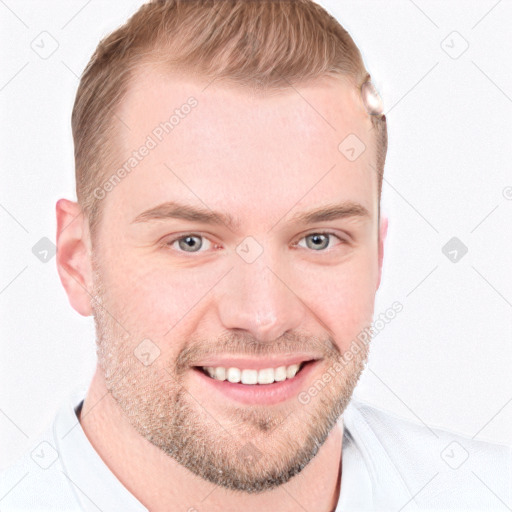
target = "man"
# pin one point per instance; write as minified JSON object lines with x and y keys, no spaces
{"x":227,"y":239}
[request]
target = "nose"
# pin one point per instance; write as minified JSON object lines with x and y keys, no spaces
{"x":260,"y":298}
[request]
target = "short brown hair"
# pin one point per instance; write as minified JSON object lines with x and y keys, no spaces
{"x":260,"y":43}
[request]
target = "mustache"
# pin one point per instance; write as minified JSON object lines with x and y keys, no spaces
{"x":245,"y":345}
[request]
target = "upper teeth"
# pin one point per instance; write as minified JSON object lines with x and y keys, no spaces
{"x":265,"y":376}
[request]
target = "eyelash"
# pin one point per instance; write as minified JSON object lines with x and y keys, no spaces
{"x":330,"y":233}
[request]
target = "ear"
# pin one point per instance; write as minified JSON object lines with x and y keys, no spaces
{"x":383,"y":231}
{"x":73,"y":255}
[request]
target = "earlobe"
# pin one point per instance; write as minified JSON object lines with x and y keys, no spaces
{"x":383,"y":231}
{"x":73,"y":255}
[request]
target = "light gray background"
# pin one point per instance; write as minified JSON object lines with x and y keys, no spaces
{"x":445,"y":360}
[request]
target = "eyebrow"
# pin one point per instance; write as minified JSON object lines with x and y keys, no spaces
{"x":331,"y":212}
{"x":176,"y":210}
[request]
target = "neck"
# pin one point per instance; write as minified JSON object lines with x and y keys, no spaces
{"x":158,"y":481}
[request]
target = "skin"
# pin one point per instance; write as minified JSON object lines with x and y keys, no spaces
{"x":261,"y":158}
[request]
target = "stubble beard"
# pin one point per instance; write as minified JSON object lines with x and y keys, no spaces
{"x":248,"y":448}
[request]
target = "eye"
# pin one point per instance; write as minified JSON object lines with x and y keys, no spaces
{"x":319,"y":241}
{"x":191,"y":242}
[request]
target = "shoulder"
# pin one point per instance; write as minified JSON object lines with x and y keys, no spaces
{"x":37,"y":481}
{"x":394,"y":431}
{"x":61,"y":471}
{"x":450,"y":469}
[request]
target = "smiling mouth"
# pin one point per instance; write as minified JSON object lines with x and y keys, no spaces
{"x":253,"y":377}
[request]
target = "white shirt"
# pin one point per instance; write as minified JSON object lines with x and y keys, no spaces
{"x":388,"y":463}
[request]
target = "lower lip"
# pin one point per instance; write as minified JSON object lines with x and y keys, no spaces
{"x":262,"y":394}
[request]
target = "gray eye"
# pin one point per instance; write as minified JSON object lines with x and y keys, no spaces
{"x":317,"y":241}
{"x":189,"y":243}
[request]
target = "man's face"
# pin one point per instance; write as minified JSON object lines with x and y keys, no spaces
{"x":266,"y":291}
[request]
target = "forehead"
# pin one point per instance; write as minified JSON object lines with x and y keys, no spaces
{"x":237,"y":150}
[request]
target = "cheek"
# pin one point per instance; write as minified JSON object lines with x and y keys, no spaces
{"x":151,"y":298}
{"x":343,"y":297}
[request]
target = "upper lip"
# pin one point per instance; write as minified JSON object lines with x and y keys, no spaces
{"x":256,"y":364}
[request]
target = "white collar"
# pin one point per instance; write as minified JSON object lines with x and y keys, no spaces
{"x":369,"y":480}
